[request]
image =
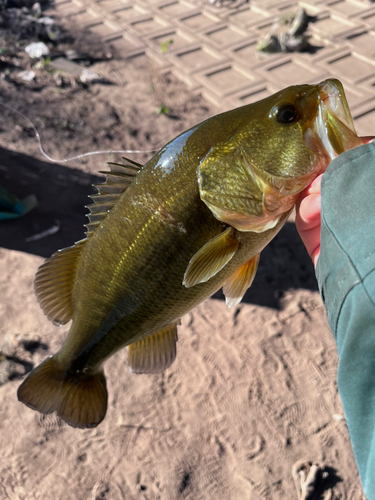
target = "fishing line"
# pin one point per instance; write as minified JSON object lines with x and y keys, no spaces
{"x":90,"y":153}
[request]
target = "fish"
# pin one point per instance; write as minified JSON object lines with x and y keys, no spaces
{"x":163,"y":237}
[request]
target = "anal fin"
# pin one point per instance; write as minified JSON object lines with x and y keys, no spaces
{"x":211,"y":258}
{"x":79,"y":399}
{"x":235,"y":287}
{"x":154,"y":353}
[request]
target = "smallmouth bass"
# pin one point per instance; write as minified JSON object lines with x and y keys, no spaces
{"x":165,"y":236}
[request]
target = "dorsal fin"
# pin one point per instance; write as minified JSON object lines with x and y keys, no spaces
{"x":54,"y":283}
{"x":117,"y":181}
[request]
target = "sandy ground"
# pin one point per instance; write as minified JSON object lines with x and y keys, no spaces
{"x":253,"y":389}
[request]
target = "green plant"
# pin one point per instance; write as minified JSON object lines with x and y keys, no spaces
{"x":162,"y":110}
{"x":46,"y":62}
{"x":165,"y":46}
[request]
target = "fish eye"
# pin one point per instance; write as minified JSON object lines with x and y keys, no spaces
{"x":287,"y":114}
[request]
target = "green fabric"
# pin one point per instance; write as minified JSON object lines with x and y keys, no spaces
{"x":346,"y":278}
{"x":11,"y":207}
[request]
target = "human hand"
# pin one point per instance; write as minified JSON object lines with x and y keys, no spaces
{"x":308,"y":210}
{"x":308,"y":218}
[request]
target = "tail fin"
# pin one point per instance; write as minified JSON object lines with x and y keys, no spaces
{"x":79,"y":399}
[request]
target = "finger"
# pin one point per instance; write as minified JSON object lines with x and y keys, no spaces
{"x":308,"y":223}
{"x":367,"y":139}
{"x":308,"y":215}
{"x":311,"y":240}
{"x":313,"y":188}
{"x":315,"y":255}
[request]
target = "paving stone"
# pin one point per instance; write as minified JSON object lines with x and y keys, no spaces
{"x":196,"y":58}
{"x":214,"y":49}
{"x":147,"y":25}
{"x":290,"y":71}
{"x":285,"y":7}
{"x":355,"y":95}
{"x":364,"y":118}
{"x":197,"y":21}
{"x":368,"y":17}
{"x":129,"y":13}
{"x":84,"y":17}
{"x":361,"y":40}
{"x":223,"y":35}
{"x":248,"y":16}
{"x":274,"y":4}
{"x":147,"y":3}
{"x":262,"y":27}
{"x":109,"y":5}
{"x":251,"y":94}
{"x":309,"y":3}
{"x":347,"y":7}
{"x":105,"y":29}
{"x":126,"y":45}
{"x":175,"y":9}
{"x":245,"y":53}
{"x":180,"y":40}
{"x":329,"y":25}
{"x":226,"y":79}
{"x":350,"y":66}
{"x":66,"y":66}
{"x":69,"y":8}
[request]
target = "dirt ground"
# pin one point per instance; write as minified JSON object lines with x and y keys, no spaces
{"x":253,"y":389}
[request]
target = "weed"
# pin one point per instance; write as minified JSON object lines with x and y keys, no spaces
{"x":162,"y":110}
{"x":165,"y":46}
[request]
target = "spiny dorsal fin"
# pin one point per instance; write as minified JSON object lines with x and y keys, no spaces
{"x":117,"y":181}
{"x":211,"y":258}
{"x":235,"y":287}
{"x":54,"y":283}
{"x":155,"y":353}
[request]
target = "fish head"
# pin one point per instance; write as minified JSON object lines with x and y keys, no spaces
{"x":277,"y":148}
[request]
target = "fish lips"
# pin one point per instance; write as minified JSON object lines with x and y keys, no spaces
{"x":333,"y":124}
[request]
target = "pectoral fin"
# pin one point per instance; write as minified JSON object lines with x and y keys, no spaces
{"x":211,"y":258}
{"x":234,"y":289}
{"x":155,"y":353}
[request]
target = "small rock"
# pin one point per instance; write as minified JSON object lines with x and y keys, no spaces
{"x":88,"y":76}
{"x":61,"y":64}
{"x":63,"y":81}
{"x":5,"y":371}
{"x":37,"y":50}
{"x":36,"y":9}
{"x":27,"y":76}
{"x":8,"y":344}
{"x":47,"y":21}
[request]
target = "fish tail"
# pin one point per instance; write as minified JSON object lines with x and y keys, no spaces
{"x":78,"y":398}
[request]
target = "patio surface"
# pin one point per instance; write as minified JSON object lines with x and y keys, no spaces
{"x":213,"y":49}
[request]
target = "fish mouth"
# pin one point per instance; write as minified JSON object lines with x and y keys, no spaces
{"x":333,"y":124}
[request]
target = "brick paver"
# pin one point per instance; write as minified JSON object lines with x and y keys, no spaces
{"x":213,"y":49}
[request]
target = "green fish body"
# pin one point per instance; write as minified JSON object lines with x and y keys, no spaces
{"x":165,"y":236}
